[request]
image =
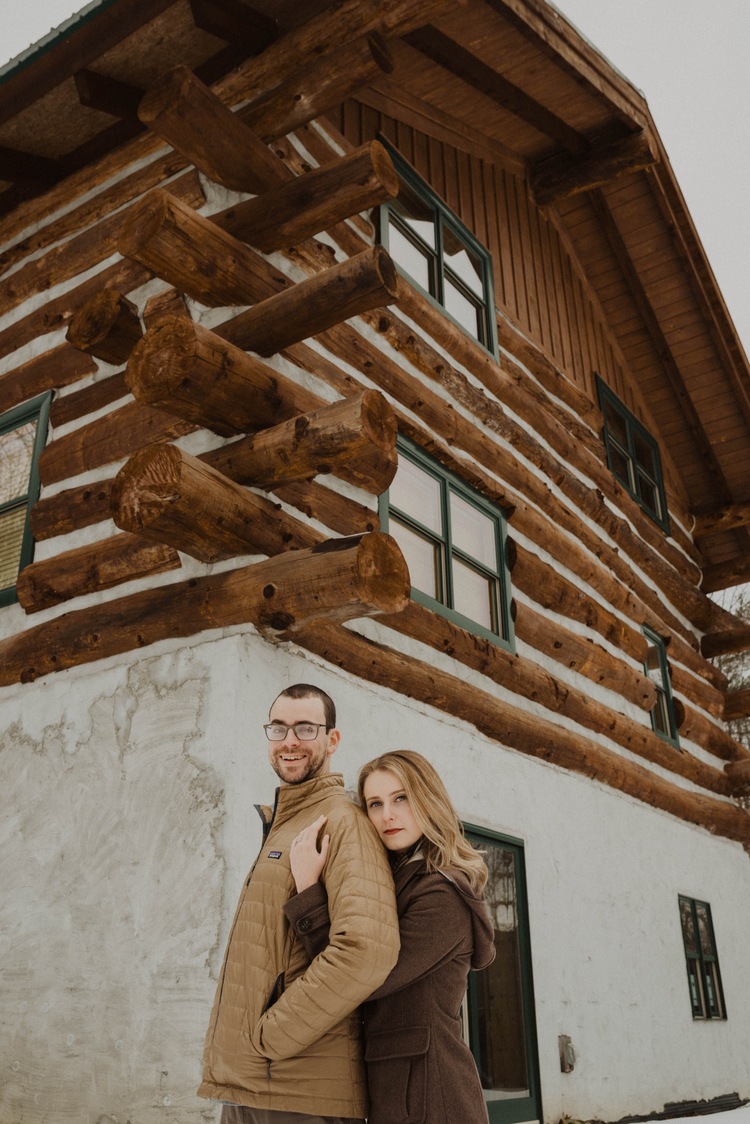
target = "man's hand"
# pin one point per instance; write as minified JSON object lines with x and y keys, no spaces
{"x":307,"y":861}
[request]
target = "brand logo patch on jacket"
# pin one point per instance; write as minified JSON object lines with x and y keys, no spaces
{"x":275,"y":854}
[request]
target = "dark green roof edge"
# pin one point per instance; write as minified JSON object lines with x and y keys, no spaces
{"x":53,"y":38}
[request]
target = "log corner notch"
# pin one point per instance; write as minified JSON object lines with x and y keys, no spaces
{"x":107,"y":327}
{"x":569,"y":174}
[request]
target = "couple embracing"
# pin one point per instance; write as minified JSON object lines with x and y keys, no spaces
{"x":352,"y":941}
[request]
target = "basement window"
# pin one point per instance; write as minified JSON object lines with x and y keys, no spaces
{"x":704,"y":977}
{"x":633,"y":456}
{"x":454,"y":543}
{"x":439,"y":255}
{"x":23,"y":432}
{"x":663,"y":719}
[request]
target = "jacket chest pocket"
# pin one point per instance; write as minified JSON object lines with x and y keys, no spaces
{"x":397,"y":1075}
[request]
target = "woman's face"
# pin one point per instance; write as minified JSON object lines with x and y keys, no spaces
{"x":388,"y":808}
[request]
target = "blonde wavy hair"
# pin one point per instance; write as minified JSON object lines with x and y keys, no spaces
{"x":444,"y":844}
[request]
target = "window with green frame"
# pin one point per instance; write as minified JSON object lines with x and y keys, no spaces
{"x":23,"y":432}
{"x":663,"y":718}
{"x":633,"y":456}
{"x":704,"y":977}
{"x":433,"y":248}
{"x":454,"y":542}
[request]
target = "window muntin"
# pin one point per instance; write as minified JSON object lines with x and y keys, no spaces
{"x":440,"y":255}
{"x":453,"y":540}
{"x":22,"y":434}
{"x":633,"y":456}
{"x":656,"y":666}
{"x":702,"y":961}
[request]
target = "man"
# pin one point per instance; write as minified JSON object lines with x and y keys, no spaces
{"x":283,"y":1044}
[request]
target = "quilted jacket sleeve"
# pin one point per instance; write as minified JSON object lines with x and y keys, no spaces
{"x":307,"y":913}
{"x":362,"y":948}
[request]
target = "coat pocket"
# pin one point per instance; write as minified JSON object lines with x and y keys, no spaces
{"x":397,"y":1075}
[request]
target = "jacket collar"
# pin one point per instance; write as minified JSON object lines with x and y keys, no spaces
{"x":291,"y":797}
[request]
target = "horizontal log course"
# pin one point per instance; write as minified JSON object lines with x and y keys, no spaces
{"x":54,"y":369}
{"x":106,"y":440}
{"x":169,"y":496}
{"x":82,"y":252}
{"x":325,"y":82}
{"x":191,"y":372}
{"x":88,"y":399}
{"x":189,"y":116}
{"x":314,"y":201}
{"x":354,"y":438}
{"x":70,"y":510}
{"x":107,"y":326}
{"x":737,"y":705}
{"x":342,"y":579}
{"x":726,"y":641}
{"x":168,"y":303}
{"x":711,"y":736}
{"x":528,"y":679}
{"x":316,"y":304}
{"x":87,"y":569}
{"x":518,"y":729}
{"x":726,"y":518}
{"x":193,"y":254}
{"x":738,"y":773}
{"x":707,"y":696}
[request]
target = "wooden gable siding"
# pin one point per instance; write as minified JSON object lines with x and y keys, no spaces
{"x":581,"y":546}
{"x":540,"y":281}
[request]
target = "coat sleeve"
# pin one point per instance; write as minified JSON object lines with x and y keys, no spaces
{"x":307,"y":913}
{"x":362,"y":948}
{"x":434,"y":927}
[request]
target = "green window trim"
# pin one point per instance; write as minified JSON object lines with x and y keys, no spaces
{"x":503,"y":1016}
{"x":663,"y":718}
{"x":633,"y":456}
{"x":454,"y":571}
{"x":461,"y":290}
{"x":20,"y":503}
{"x":701,"y":960}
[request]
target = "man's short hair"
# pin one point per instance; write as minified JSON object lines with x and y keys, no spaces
{"x":307,"y":691}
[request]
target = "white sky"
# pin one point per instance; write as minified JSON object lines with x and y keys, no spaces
{"x":688,"y":57}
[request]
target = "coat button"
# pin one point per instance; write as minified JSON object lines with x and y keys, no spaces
{"x":305,"y":925}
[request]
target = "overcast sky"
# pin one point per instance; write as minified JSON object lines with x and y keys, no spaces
{"x":689,"y":59}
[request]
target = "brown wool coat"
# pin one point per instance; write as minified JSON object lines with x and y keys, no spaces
{"x":419,"y":1069}
{"x":285,"y":1033}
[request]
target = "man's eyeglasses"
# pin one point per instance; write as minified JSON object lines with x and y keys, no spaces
{"x":303,"y":731}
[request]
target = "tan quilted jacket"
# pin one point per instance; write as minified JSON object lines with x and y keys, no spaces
{"x":285,"y":1033}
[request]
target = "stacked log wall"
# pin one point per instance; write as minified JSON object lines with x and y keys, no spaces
{"x":590,"y":568}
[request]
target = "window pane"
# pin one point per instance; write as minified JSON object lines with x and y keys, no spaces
{"x":462,"y":309}
{"x":463,"y":262}
{"x":417,"y":493}
{"x":411,"y":258}
{"x":654,"y":665}
{"x":473,"y":532}
{"x":704,"y":929}
{"x":696,"y":991}
{"x":615,"y":424}
{"x":649,"y":493}
{"x":498,"y":1025}
{"x":688,"y":927}
{"x":422,"y":558}
{"x":12,"y":523}
{"x":16,"y":448}
{"x":644,"y":454}
{"x":660,"y":716}
{"x":619,"y":462}
{"x":416,"y":213}
{"x":473,"y":595}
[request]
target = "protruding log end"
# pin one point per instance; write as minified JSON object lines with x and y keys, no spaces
{"x":739,"y":777}
{"x":161,"y":360}
{"x":167,"y":92}
{"x":382,"y":573}
{"x":107,"y":326}
{"x":145,"y":486}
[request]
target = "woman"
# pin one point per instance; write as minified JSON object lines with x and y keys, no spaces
{"x":419,"y":1069}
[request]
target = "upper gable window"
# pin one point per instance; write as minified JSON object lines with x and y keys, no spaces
{"x":434,"y":249}
{"x":633,"y":456}
{"x":453,"y":540}
{"x":22,"y":435}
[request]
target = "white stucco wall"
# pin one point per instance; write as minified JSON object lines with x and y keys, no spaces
{"x":128,"y":826}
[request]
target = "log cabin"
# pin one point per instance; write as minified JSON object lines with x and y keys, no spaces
{"x":368,"y":343}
